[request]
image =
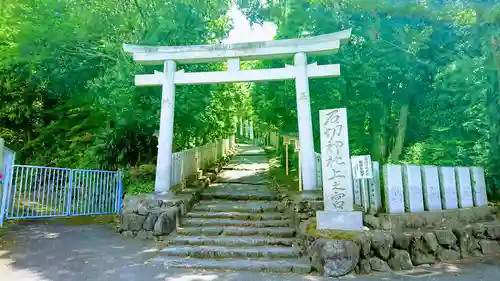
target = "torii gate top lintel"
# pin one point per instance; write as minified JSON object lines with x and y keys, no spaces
{"x":315,"y":45}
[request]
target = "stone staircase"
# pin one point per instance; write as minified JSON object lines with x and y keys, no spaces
{"x":237,"y":225}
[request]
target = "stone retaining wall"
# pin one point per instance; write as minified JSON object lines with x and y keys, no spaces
{"x":382,"y":251}
{"x":152,"y":216}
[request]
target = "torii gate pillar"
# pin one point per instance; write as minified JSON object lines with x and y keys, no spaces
{"x":306,"y":140}
{"x":165,"y":140}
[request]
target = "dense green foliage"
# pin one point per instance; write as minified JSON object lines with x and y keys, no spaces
{"x":420,"y":79}
{"x":66,"y":86}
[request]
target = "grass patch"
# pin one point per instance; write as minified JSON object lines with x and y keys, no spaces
{"x":278,"y":172}
{"x":332,"y":234}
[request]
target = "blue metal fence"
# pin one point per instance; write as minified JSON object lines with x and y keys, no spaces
{"x":37,"y":192}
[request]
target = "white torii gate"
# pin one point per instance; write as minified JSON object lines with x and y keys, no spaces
{"x":169,"y":56}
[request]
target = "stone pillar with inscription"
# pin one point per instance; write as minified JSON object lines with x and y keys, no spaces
{"x":337,"y":174}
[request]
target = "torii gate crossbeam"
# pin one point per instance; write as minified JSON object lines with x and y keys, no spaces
{"x":169,"y":56}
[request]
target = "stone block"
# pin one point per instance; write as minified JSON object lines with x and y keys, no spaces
{"x":371,"y":221}
{"x":335,"y":257}
{"x":400,"y":260}
{"x":448,"y":185}
{"x":492,"y":230}
{"x":448,"y":255}
{"x":489,"y":248}
{"x":382,"y":242}
{"x":464,"y":187}
{"x":402,"y":240}
{"x":446,"y":238}
{"x":479,"y":195}
{"x":379,"y":265}
{"x":393,"y":185}
{"x":339,"y":220}
{"x":365,"y":243}
{"x":430,"y":241}
{"x":432,"y":192}
{"x":364,"y":267}
{"x":150,"y":221}
{"x":412,"y":183}
{"x":132,"y":221}
{"x":164,"y":225}
{"x":466,"y":242}
{"x":420,"y":250}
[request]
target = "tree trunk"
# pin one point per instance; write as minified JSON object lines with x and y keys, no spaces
{"x":397,"y":150}
{"x":378,"y":125}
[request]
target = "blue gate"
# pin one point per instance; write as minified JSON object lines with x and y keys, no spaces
{"x":40,"y":192}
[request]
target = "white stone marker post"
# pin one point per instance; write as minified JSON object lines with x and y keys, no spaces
{"x":412,"y":183}
{"x":448,"y":186}
{"x":356,"y":187}
{"x":362,"y":172}
{"x":337,"y":177}
{"x":374,"y":189}
{"x":165,"y":139}
{"x":393,"y":187}
{"x":432,"y":192}
{"x":247,"y":129}
{"x":478,"y":187}
{"x":251,"y":130}
{"x":241,"y":126}
{"x":464,"y":187}
{"x":308,"y":164}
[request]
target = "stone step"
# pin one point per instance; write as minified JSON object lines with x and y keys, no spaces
{"x":229,"y":194}
{"x":211,"y":252}
{"x":245,"y":162}
{"x":230,"y":222}
{"x":243,"y":177}
{"x":250,"y":206}
{"x":302,"y":266}
{"x":231,"y":240}
{"x":238,"y":231}
{"x":238,"y":215}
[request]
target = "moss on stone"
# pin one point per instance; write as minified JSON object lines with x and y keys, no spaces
{"x":332,"y":234}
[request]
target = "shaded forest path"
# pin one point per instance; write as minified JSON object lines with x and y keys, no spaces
{"x":237,"y":224}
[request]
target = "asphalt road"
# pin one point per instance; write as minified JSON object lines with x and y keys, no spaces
{"x":38,"y":252}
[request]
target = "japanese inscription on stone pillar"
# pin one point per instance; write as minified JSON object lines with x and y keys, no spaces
{"x":335,"y":160}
